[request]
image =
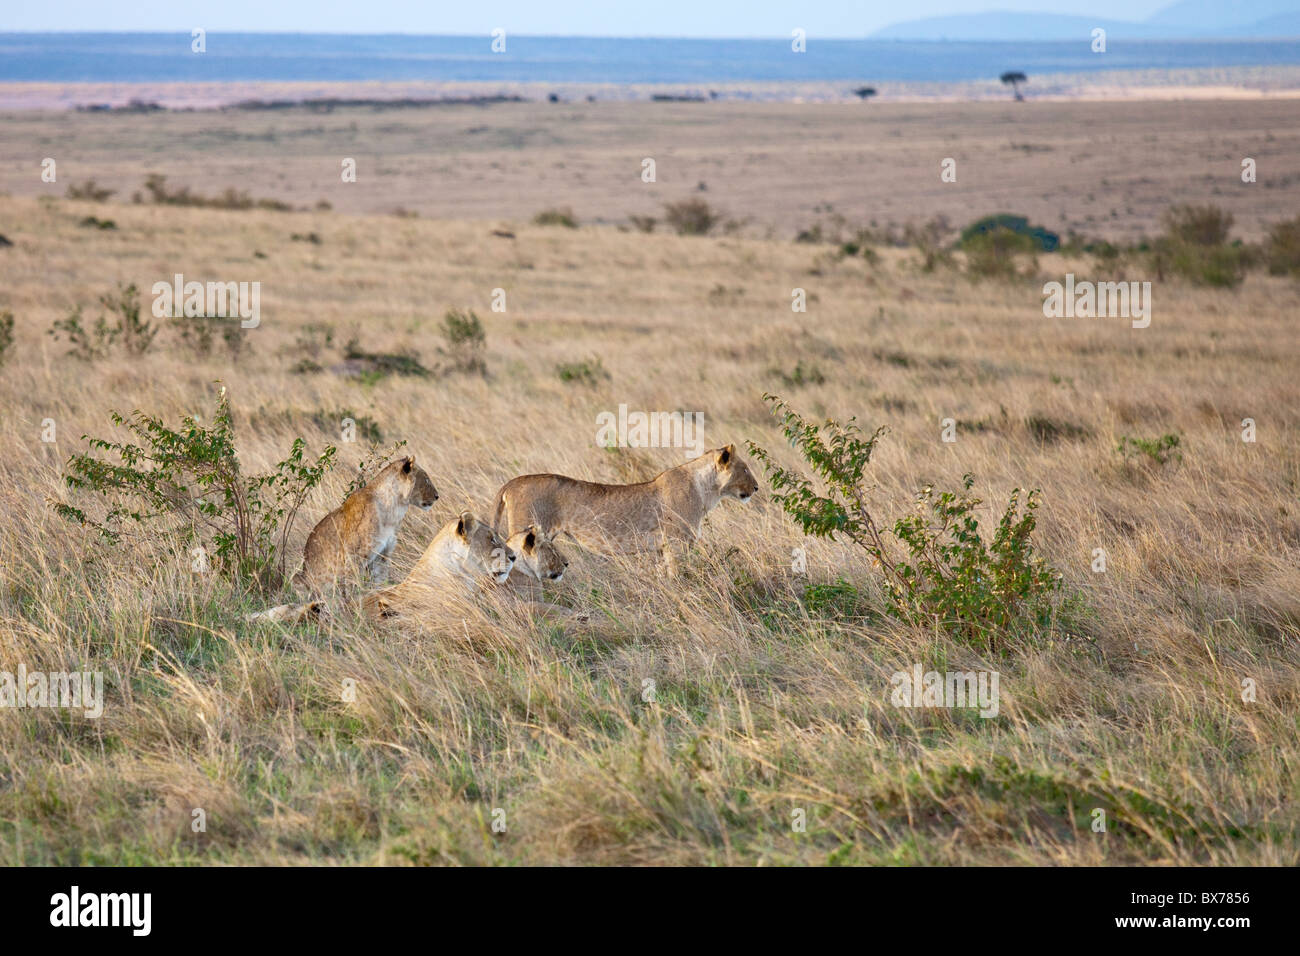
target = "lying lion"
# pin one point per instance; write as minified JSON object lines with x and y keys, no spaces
{"x":356,"y":539}
{"x":656,"y":515}
{"x":464,"y":554}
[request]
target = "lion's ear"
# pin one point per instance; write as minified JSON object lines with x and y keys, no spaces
{"x":530,"y":540}
{"x":408,"y":465}
{"x":725,"y":454}
{"x":465,"y":526}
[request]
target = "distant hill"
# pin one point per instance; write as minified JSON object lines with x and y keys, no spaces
{"x":1209,"y":19}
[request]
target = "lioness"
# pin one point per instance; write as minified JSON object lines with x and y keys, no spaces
{"x":357,"y":537}
{"x":465,"y":553}
{"x":538,"y":560}
{"x":652,"y":515}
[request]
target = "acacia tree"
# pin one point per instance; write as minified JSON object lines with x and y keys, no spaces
{"x":1014,"y":78}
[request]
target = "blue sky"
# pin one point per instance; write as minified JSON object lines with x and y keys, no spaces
{"x":678,"y":18}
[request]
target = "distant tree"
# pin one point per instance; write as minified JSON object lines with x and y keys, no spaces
{"x":1014,"y":78}
{"x":863,"y":92}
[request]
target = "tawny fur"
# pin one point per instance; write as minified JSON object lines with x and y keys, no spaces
{"x":537,"y":561}
{"x":354,"y":541}
{"x":657,"y":515}
{"x":464,"y":555}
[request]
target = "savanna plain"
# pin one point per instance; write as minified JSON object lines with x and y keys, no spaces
{"x":739,"y":713}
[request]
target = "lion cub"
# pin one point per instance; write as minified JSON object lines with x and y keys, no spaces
{"x":652,"y":515}
{"x":538,"y":561}
{"x":357,"y":538}
{"x":464,"y":554}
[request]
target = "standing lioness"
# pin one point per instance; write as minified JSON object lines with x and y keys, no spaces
{"x":651,"y":515}
{"x":357,"y":537}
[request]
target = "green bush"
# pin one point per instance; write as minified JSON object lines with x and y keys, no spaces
{"x":556,"y":217}
{"x":1039,"y":239}
{"x":587,"y":372}
{"x":89,"y":190}
{"x":1195,"y":246}
{"x":1282,"y":248}
{"x":466,"y":341}
{"x":186,"y":484}
{"x":1197,"y":225}
{"x":691,"y":217}
{"x":936,"y":567}
{"x":200,"y":332}
{"x":1159,"y":451}
{"x":126,"y":327}
{"x":994,"y":254}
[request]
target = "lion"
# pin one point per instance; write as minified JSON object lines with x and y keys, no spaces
{"x":356,"y":539}
{"x":538,"y":561}
{"x":465,"y":554}
{"x":657,"y":515}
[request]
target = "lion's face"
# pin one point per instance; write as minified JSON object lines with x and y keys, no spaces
{"x":416,"y":486}
{"x":736,"y":480}
{"x":484,"y":551}
{"x":538,"y":554}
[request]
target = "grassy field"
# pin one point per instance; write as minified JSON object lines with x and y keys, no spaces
{"x":770,"y":696}
{"x":1102,"y":168}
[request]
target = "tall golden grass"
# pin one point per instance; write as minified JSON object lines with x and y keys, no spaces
{"x":763,"y":702}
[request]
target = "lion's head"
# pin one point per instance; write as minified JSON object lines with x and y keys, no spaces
{"x":735,"y":480}
{"x":410,"y":482}
{"x":481,"y":549}
{"x":538,"y":556}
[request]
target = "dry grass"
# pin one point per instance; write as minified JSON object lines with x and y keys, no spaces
{"x":1107,"y":169}
{"x":764,"y":703}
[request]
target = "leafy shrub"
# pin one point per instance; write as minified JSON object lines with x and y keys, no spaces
{"x":643,"y":223}
{"x":1040,"y":239}
{"x":1195,"y":246}
{"x":200,"y":332}
{"x":156,"y":184}
{"x":94,"y":222}
{"x":89,"y":190}
{"x":1282,"y":248}
{"x":691,"y":217}
{"x":186,"y":484}
{"x":1220,"y":266}
{"x":556,"y":217}
{"x":126,"y":327}
{"x":1197,"y":225}
{"x":1159,"y":451}
{"x":993,"y":254}
{"x":936,"y":567}
{"x":466,"y":341}
{"x":587,"y":372}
